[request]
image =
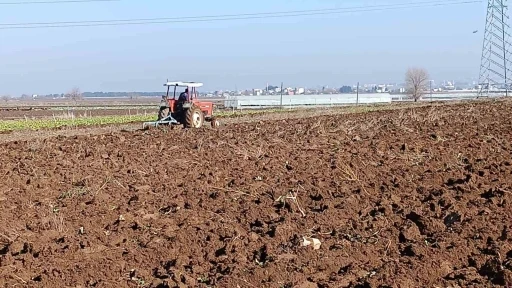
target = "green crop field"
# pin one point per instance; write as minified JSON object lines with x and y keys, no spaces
{"x":52,"y":123}
{"x":38,"y":124}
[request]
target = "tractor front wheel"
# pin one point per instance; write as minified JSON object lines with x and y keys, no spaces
{"x":164,"y":112}
{"x":194,"y":117}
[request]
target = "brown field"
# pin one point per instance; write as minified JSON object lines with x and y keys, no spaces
{"x":416,"y":197}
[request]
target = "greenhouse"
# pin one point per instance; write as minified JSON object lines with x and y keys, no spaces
{"x":239,"y":102}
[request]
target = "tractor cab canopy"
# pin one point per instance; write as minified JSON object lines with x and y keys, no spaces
{"x":191,"y":87}
{"x":184,"y":84}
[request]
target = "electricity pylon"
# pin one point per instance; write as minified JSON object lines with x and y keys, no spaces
{"x":495,"y":73}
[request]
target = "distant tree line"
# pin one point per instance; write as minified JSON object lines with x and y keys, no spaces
{"x":346,"y":89}
{"x":120,"y":94}
{"x":75,"y":95}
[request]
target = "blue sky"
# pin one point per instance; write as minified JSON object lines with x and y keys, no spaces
{"x":308,"y":51}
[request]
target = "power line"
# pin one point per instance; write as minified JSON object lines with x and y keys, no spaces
{"x":228,"y":17}
{"x":54,"y":2}
{"x":397,"y":5}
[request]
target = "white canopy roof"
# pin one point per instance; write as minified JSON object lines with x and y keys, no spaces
{"x":184,"y":84}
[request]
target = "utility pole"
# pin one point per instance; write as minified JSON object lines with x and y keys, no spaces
{"x":281,"y":95}
{"x":430,"y":91}
{"x":357,"y":95}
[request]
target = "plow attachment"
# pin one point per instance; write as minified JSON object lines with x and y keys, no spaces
{"x":169,"y":120}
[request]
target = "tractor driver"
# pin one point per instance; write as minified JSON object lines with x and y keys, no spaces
{"x":183,"y":96}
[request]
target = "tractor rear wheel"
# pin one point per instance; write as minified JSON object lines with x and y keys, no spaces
{"x":164,"y":112}
{"x":194,"y":117}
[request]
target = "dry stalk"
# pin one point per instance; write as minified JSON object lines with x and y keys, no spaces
{"x":187,"y":162}
{"x":103,"y":186}
{"x":401,"y":115}
{"x":417,"y":159}
{"x":292,"y":196}
{"x":349,"y":173}
{"x":351,"y":176}
{"x":19,"y":278}
{"x":233,"y":190}
{"x":218,"y":215}
{"x":441,"y":139}
{"x":260,"y":153}
{"x":200,"y":144}
{"x":318,"y":126}
{"x":387,"y":247}
{"x":247,"y":153}
{"x":313,"y":233}
{"x":119,"y":183}
{"x":144,"y":173}
{"x":433,"y":115}
{"x":244,"y":281}
{"x":11,"y":240}
{"x":58,"y":223}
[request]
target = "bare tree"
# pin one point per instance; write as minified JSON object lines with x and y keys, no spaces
{"x":74,"y":94}
{"x":6,"y":98}
{"x":416,"y":80}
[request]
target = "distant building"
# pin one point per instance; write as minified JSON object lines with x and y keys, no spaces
{"x":384,"y":88}
{"x":449,"y":85}
{"x":329,"y":91}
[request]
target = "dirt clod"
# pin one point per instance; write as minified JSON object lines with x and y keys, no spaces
{"x":494,"y":271}
{"x":411,"y":234}
{"x":451,"y":219}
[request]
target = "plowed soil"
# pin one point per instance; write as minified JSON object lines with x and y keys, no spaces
{"x":414,"y":198}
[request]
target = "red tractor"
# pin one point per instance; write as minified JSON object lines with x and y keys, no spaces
{"x":186,"y":110}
